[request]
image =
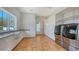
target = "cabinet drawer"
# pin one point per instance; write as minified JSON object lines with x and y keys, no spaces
{"x":66,"y":40}
{"x":66,"y":45}
{"x":77,"y":44}
{"x":73,"y":43}
{"x":73,"y":48}
{"x":59,"y":42}
{"x":58,"y":37}
{"x":76,"y":11}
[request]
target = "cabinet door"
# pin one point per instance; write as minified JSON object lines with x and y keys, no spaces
{"x":77,"y":44}
{"x":66,"y":43}
{"x":59,"y":22}
{"x":59,"y":18}
{"x":58,"y":37}
{"x":68,"y":15}
{"x":7,"y":43}
{"x":16,"y":35}
{"x":71,"y":48}
{"x":77,"y":41}
{"x":59,"y":40}
{"x":72,"y":43}
{"x":76,"y":14}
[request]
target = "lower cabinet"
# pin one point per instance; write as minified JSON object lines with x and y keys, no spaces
{"x":68,"y":44}
{"x":58,"y":40}
{"x":9,"y":42}
{"x":77,"y":44}
{"x":6,"y":43}
{"x":71,"y":48}
{"x":73,"y":45}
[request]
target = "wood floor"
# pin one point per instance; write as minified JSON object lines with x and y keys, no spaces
{"x":39,"y":43}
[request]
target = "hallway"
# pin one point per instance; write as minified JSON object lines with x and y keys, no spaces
{"x":39,"y":43}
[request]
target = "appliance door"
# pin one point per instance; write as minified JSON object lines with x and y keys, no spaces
{"x":55,"y":30}
{"x":70,"y":31}
{"x":58,"y":30}
{"x":77,"y":41}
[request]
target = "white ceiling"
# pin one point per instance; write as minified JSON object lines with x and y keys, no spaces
{"x":41,"y":11}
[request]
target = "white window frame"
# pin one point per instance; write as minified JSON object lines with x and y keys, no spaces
{"x":8,"y":20}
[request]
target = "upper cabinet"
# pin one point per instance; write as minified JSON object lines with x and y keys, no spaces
{"x":59,"y":18}
{"x":76,"y":14}
{"x":69,"y":15}
{"x":76,"y":11}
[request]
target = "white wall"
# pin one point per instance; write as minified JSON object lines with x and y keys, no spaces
{"x":49,"y":25}
{"x":28,"y":22}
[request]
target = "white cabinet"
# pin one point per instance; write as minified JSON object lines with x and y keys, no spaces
{"x":71,"y":15}
{"x":68,"y":15}
{"x":73,"y":48}
{"x":68,"y":21}
{"x":65,"y":17}
{"x":6,"y":43}
{"x":59,"y":22}
{"x":9,"y":42}
{"x":76,"y":15}
{"x":76,"y":11}
{"x":59,"y":18}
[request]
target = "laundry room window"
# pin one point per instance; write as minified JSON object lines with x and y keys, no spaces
{"x":12,"y":22}
{"x":1,"y":21}
{"x":7,"y":21}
